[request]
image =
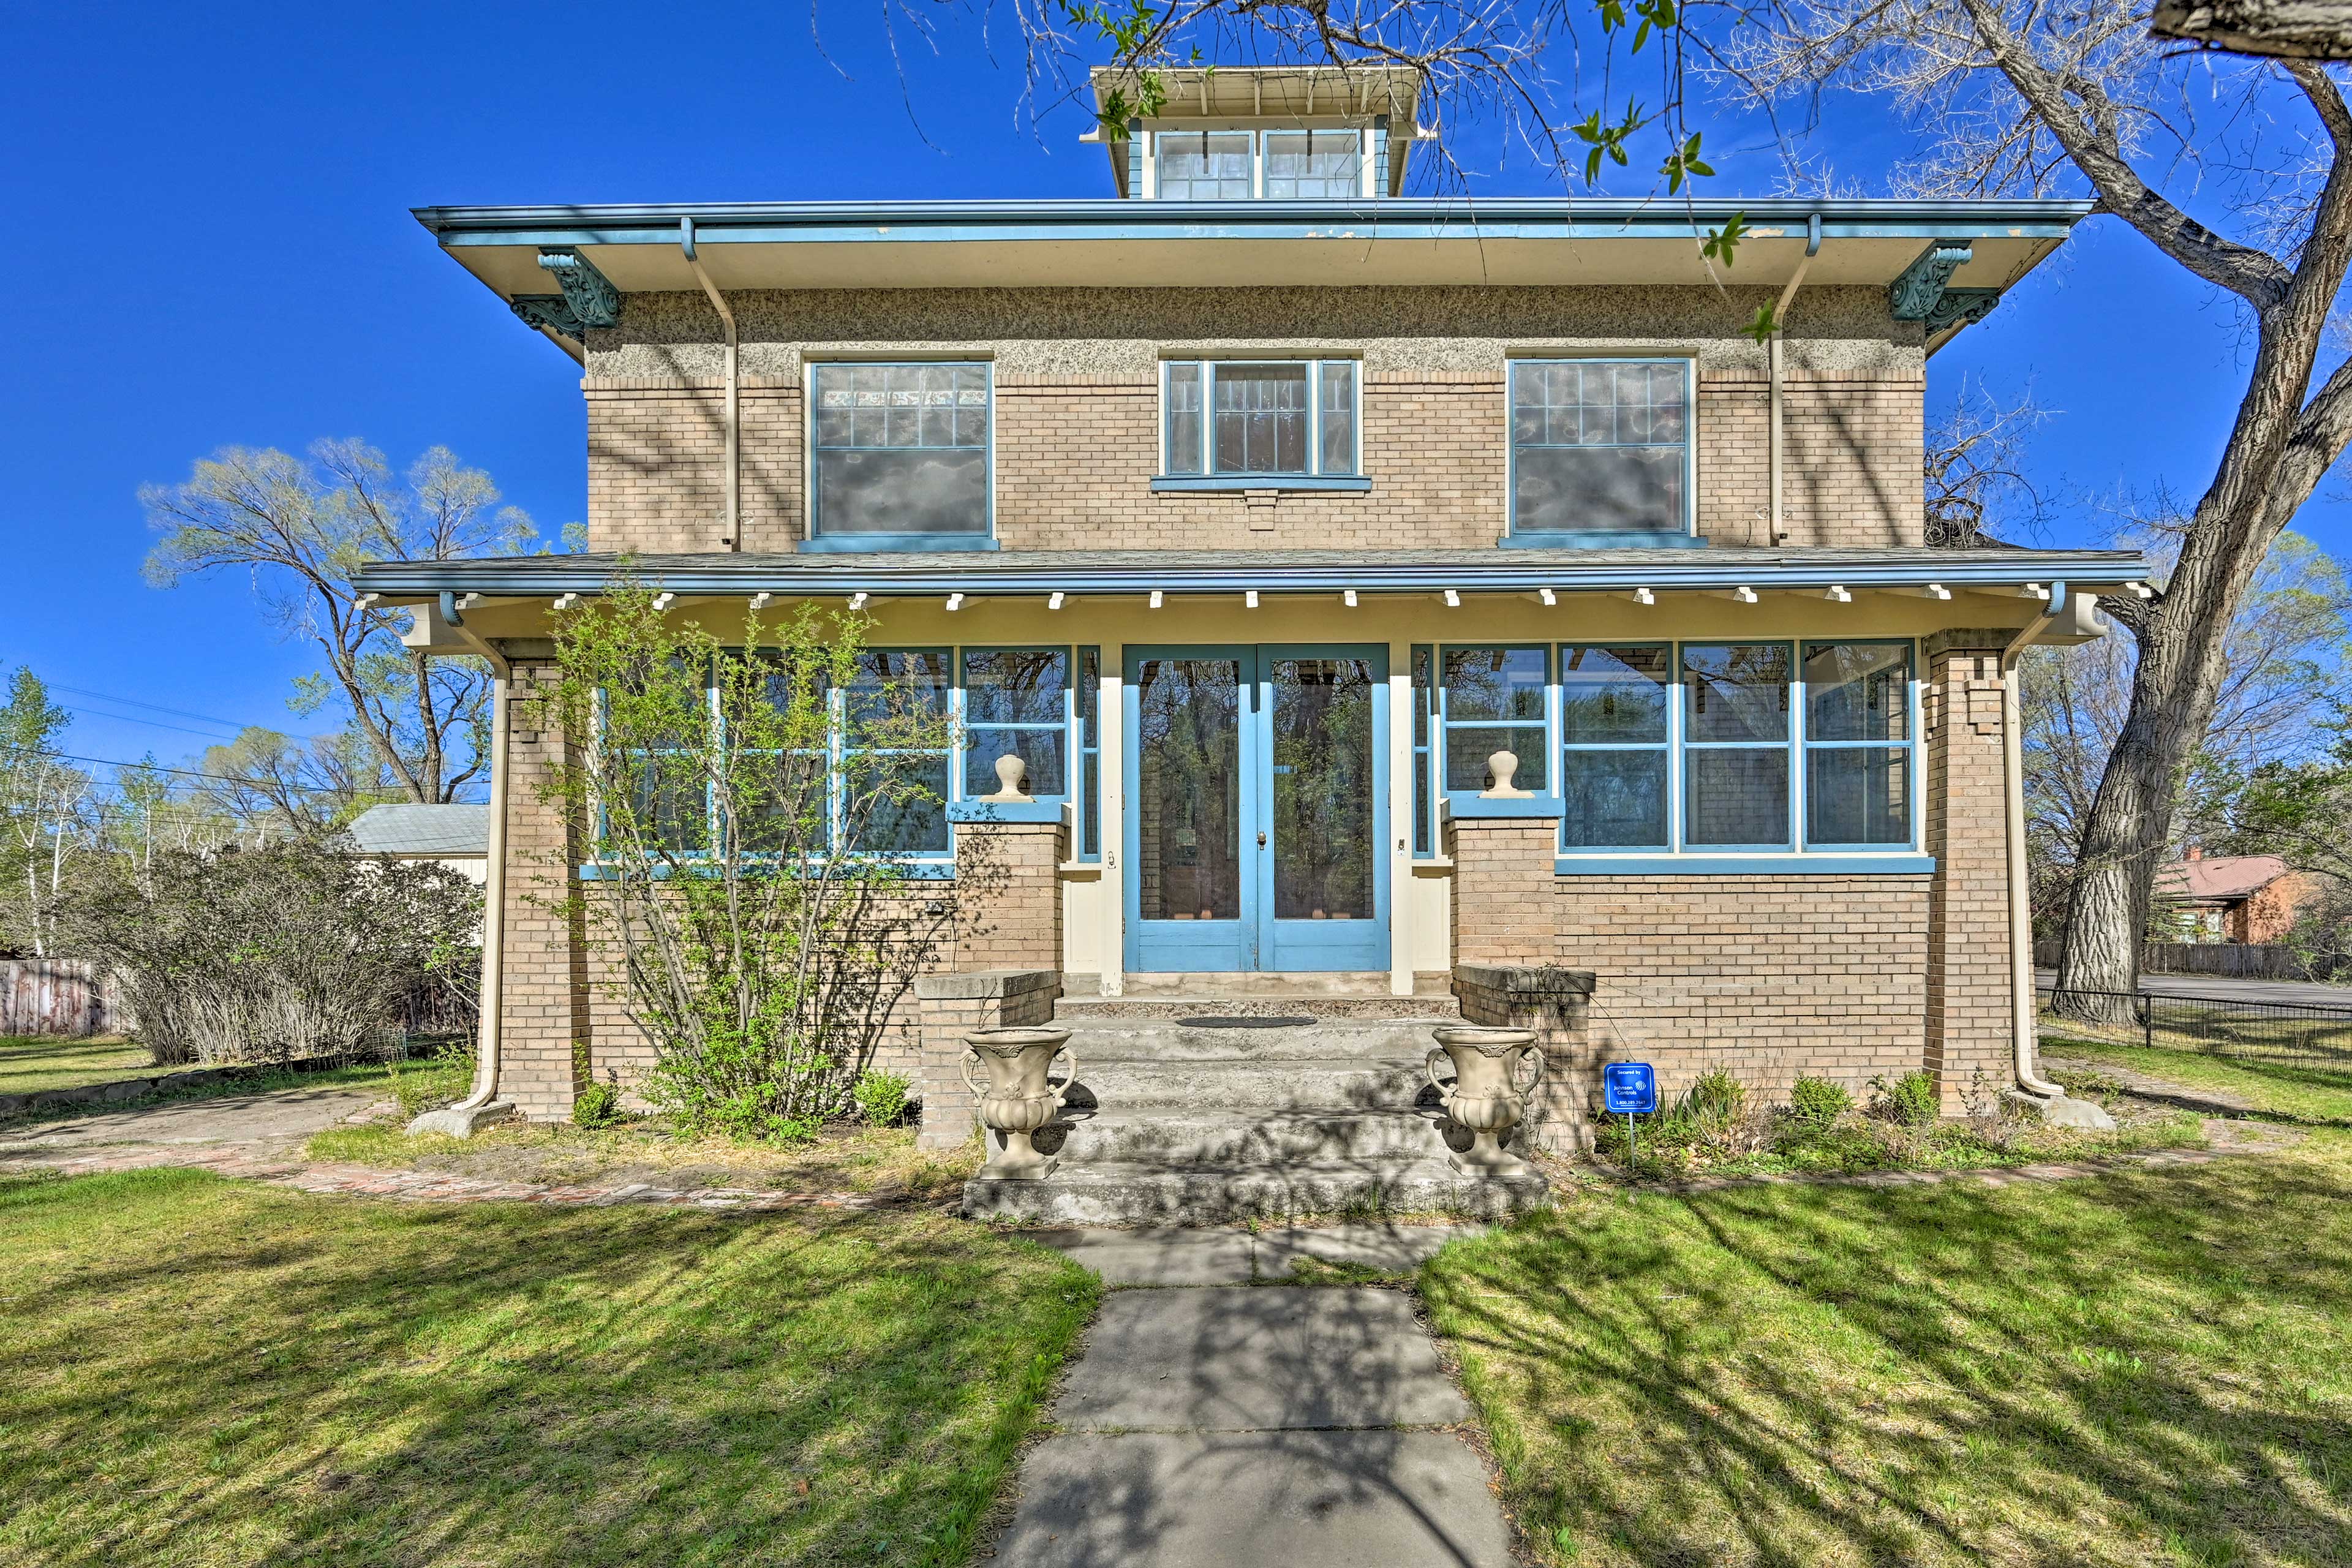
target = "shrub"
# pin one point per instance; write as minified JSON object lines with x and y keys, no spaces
{"x":596,"y":1105}
{"x":1818,"y":1102}
{"x":1910,"y":1101}
{"x":882,"y":1098}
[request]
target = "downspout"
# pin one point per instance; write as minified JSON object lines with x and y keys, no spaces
{"x":494,"y":887}
{"x":733,"y":538}
{"x":1772,"y":363}
{"x":2024,"y":1024}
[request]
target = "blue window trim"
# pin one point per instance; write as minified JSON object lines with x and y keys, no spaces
{"x":820,"y":542}
{"x":1792,"y":693}
{"x":1423,"y":687}
{"x":1072,"y":788}
{"x":1911,"y":746}
{"x":1443,"y":722}
{"x":1085,"y":750}
{"x":1671,"y":745}
{"x":1205,"y":477}
{"x":1552,"y":540}
{"x":1895,"y":864}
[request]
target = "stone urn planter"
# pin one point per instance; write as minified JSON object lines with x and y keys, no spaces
{"x":1018,"y":1099}
{"x":1486,"y":1096}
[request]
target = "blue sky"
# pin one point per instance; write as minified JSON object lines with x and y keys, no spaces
{"x":215,"y":249}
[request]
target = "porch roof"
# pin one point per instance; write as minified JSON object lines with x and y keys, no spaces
{"x":1230,"y":572}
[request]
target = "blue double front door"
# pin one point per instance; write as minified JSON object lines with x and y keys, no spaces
{"x":1256,"y":806}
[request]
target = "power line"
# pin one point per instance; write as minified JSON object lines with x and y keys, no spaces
{"x":155,"y":708}
{"x":148,"y":723}
{"x":199,"y":773}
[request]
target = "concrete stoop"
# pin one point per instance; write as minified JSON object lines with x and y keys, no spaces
{"x":1177,"y":1123}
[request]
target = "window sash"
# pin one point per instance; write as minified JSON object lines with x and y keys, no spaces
{"x":1466,"y":742}
{"x":1898,"y":747}
{"x":917,"y":425}
{"x":1579,"y":832}
{"x":1558,"y":441}
{"x":1196,"y":432}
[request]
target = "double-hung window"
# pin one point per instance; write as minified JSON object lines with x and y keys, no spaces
{"x":1493,"y":700}
{"x":1859,"y":757}
{"x":1313,"y":165}
{"x":1272,"y":419}
{"x":1736,"y":736}
{"x":894,"y":787}
{"x":1016,"y":703}
{"x":900,"y":455}
{"x":1600,"y":448}
{"x":1616,"y":712}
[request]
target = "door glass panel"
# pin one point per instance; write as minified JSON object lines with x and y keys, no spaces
{"x":1323,"y":805}
{"x":1189,"y":789}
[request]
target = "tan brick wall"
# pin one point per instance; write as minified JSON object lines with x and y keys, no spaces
{"x":1502,"y":906}
{"x":1076,"y":455}
{"x":1968,"y":979}
{"x":1008,"y":872}
{"x":546,"y":1002}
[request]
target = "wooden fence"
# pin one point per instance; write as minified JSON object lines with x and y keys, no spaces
{"x":2235,"y":960}
{"x":62,"y":996}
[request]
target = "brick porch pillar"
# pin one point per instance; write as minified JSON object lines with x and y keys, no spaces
{"x":1008,"y":857}
{"x":1968,"y":1023}
{"x":545,"y":1006}
{"x":951,"y":1005}
{"x":1503,"y":850}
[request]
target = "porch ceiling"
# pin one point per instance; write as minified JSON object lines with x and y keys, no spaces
{"x":1726,"y":570}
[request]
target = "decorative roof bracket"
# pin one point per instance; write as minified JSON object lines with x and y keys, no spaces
{"x":1914,"y":296}
{"x":550,"y":312}
{"x":1961,"y":308}
{"x":594,"y":301}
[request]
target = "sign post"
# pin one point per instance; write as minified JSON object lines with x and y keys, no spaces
{"x":1631,"y":1088}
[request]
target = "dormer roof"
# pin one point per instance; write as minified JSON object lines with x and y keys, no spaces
{"x":1237,"y":97}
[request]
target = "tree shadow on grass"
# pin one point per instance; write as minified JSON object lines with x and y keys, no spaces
{"x":233,"y":1374}
{"x":2133,"y":1368}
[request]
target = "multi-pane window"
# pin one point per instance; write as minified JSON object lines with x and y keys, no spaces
{"x":1493,"y":701}
{"x":1207,"y":166}
{"x":1016,"y":704}
{"x":900,"y":448}
{"x":1312,"y":165}
{"x":1614,"y":719}
{"x":1857,"y":744}
{"x":1425,"y":714}
{"x":1598,"y":445}
{"x":893,"y":799}
{"x":1736,"y":745}
{"x":1276,"y":417}
{"x":1089,"y":706}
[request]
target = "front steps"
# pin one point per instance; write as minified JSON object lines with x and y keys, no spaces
{"x":1178,"y":1124}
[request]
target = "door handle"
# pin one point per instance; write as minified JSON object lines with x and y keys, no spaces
{"x":1261,"y":840}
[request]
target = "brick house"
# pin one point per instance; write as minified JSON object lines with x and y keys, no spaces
{"x":1259,"y":451}
{"x":2233,"y":898}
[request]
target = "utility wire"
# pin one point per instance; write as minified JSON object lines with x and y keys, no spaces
{"x":199,"y":773}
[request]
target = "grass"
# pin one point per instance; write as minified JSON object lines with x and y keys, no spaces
{"x":2311,"y":1096}
{"x":205,"y":1372}
{"x":2151,"y":1366}
{"x":412,"y":1087}
{"x":30,"y":1063}
{"x":875,"y":1162}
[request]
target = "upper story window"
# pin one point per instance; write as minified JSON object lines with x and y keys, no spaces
{"x":1270,"y":165}
{"x":1291,"y":417}
{"x":899,"y":451}
{"x":1599,"y":447}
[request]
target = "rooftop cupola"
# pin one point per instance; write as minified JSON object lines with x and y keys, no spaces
{"x":1274,"y":133}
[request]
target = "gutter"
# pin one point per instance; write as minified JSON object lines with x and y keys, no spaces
{"x":733,"y":524}
{"x":2024,"y":1023}
{"x":1778,"y":533}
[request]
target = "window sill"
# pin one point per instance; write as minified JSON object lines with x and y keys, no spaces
{"x":1177,"y":483}
{"x":911,"y":871}
{"x":1898,"y":863}
{"x":893,"y":543}
{"x":1046,"y":808}
{"x":1603,"y":539}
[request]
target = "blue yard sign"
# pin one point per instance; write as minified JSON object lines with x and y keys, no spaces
{"x":1629,"y":1089}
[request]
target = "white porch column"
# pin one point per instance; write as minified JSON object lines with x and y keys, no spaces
{"x":1398,"y":844}
{"x":1110,"y":705}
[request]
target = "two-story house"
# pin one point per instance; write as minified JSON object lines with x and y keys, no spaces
{"x":1261,"y":460}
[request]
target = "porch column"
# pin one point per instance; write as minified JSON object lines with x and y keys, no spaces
{"x":1008,"y":856}
{"x":1398,"y":827}
{"x":1968,"y":1003}
{"x":1503,"y":845}
{"x":546,"y":1009}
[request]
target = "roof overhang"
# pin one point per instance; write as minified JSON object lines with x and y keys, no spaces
{"x":1961,"y":248}
{"x":1932,"y":573}
{"x":1357,"y":95}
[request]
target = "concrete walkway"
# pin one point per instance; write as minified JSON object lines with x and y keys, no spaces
{"x":1222,"y":1425}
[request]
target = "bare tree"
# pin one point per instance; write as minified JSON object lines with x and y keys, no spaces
{"x":2289,"y":30}
{"x":301,"y":529}
{"x":2012,"y":97}
{"x":1976,"y":471}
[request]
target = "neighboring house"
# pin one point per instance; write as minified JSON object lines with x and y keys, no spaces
{"x":457,"y":836}
{"x":1263,"y":443}
{"x":2233,"y":898}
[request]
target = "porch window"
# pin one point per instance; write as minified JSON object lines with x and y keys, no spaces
{"x":1016,"y":702}
{"x":1275,"y":418}
{"x":1615,"y":712}
{"x":1858,"y":745}
{"x":1736,"y":745}
{"x":1493,"y":700}
{"x":1424,"y":713}
{"x":898,"y":822}
{"x":1088,"y":833}
{"x":899,"y":451}
{"x":1599,"y":447}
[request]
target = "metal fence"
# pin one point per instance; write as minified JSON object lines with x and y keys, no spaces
{"x":2272,"y":1034}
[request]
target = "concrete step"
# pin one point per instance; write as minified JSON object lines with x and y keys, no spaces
{"x":1256,"y":1087}
{"x":1229,"y":1004}
{"x":1169,"y":1039}
{"x":1220,"y":1139}
{"x":1141,"y":1192}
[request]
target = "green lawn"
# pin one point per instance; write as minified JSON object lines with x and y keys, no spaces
{"x":2144,"y":1367}
{"x":2310,"y":1095}
{"x":201,"y":1371}
{"x":30,"y":1063}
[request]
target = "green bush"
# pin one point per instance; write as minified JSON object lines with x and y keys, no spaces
{"x":597,"y":1105}
{"x":881,"y":1098}
{"x":1818,"y":1102}
{"x":1910,"y":1101}
{"x":1714,"y":1103}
